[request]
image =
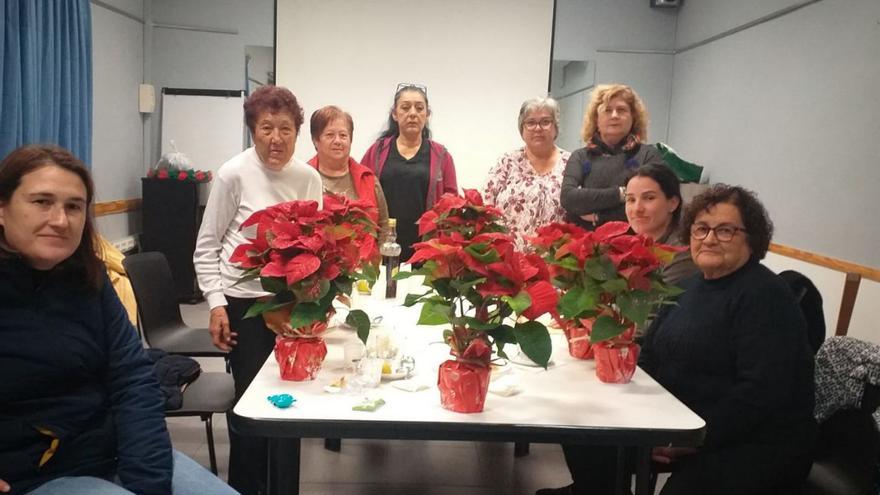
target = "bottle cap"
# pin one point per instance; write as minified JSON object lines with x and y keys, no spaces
{"x":392,"y":222}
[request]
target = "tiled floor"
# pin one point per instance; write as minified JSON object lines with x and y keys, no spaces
{"x":389,"y":467}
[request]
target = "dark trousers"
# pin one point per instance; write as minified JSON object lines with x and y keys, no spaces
{"x":747,"y":469}
{"x":248,"y":462}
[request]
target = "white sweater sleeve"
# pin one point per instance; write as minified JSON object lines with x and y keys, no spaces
{"x":219,"y":213}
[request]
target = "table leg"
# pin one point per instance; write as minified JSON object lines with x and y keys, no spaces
{"x":520,"y":449}
{"x":283,"y":471}
{"x":643,"y":471}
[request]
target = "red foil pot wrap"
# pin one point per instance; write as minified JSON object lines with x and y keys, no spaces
{"x":463,"y":385}
{"x":616,"y":363}
{"x":300,"y":359}
{"x":577,"y":333}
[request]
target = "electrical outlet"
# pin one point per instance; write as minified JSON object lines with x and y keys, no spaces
{"x":126,"y":244}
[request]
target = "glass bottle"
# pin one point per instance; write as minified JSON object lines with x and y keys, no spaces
{"x":390,"y":251}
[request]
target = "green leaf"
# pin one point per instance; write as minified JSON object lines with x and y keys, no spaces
{"x":534,"y":340}
{"x":615,"y":285}
{"x":462,"y":286}
{"x":411,"y":299}
{"x":273,"y":284}
{"x":305,"y":313}
{"x":361,"y":321}
{"x":490,"y":256}
{"x":261,"y":307}
{"x":575,"y":301}
{"x":401,"y":275}
{"x":248,"y":275}
{"x":502,"y":334}
{"x":600,"y":268}
{"x":569,"y":263}
{"x":635,"y":306}
{"x":605,"y":328}
{"x":518,"y":303}
{"x":434,"y":313}
{"x":476,"y":324}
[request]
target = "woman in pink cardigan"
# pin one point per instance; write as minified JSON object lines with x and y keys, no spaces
{"x":414,"y":171}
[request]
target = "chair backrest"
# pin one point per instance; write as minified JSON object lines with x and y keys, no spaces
{"x":810,"y":300}
{"x":154,"y":291}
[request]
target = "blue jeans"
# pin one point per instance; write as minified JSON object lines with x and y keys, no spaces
{"x":190,"y":478}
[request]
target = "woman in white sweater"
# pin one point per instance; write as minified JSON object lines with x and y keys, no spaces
{"x":258,"y":177}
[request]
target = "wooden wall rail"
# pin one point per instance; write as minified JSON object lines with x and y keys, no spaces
{"x":120,"y":206}
{"x":826,"y":261}
{"x":853,"y":272}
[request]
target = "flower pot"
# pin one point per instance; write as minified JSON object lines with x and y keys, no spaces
{"x":463,"y":385}
{"x":299,"y":358}
{"x":616,"y":363}
{"x":577,"y":333}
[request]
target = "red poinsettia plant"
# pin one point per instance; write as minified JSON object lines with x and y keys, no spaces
{"x":180,"y":174}
{"x":479,"y":283}
{"x":607,"y":275}
{"x":307,"y":257}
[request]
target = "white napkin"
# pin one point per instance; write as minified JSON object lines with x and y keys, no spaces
{"x":505,"y":386}
{"x":410,"y":385}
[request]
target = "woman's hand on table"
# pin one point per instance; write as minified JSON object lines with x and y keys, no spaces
{"x":222,"y":336}
{"x":668,"y":455}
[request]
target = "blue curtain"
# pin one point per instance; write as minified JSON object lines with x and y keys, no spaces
{"x":46,"y":83}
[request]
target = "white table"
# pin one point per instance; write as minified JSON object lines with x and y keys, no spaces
{"x":564,"y":404}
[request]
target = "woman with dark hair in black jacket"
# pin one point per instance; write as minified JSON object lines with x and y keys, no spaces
{"x":80,"y":406}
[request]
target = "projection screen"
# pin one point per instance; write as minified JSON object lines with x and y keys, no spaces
{"x":478,"y":59}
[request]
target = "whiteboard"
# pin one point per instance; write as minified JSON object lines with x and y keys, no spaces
{"x":206,"y":125}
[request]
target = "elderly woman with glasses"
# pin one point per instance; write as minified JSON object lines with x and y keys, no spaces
{"x":734,"y":349}
{"x":332,"y":130}
{"x":414,"y":170}
{"x":615,"y":131}
{"x":525,"y":183}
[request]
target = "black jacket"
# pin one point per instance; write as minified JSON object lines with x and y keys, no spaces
{"x":73,"y":373}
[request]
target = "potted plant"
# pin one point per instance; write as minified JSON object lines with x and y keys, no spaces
{"x":485,"y":291}
{"x":307,"y":257}
{"x":611,"y":283}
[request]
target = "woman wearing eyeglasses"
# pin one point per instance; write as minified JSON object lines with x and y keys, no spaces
{"x":414,"y":170}
{"x":525,"y":183}
{"x":734,"y":349}
{"x":615,"y":131}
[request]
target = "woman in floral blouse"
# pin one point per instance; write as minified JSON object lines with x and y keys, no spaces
{"x":525,"y":184}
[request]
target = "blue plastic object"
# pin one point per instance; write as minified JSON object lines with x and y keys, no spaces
{"x":281,"y":401}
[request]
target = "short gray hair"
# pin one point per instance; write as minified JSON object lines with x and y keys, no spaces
{"x":539,"y":103}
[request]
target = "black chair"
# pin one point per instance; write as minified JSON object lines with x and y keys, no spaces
{"x":848,"y":455}
{"x":809,"y":299}
{"x":158,"y":311}
{"x":210,"y":393}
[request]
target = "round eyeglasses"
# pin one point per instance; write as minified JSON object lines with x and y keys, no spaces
{"x":723,"y":233}
{"x":534,"y":124}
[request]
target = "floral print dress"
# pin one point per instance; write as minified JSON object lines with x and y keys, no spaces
{"x":527,"y":199}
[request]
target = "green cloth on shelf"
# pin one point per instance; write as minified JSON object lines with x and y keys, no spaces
{"x":685,"y":170}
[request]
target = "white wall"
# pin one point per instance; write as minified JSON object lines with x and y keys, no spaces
{"x":117,"y":138}
{"x":479,"y":60}
{"x":788,"y":108}
{"x":205,"y":60}
{"x":593,"y":30}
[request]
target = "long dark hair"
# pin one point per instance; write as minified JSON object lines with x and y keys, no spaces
{"x":668,"y":182}
{"x":84,"y":262}
{"x":392,"y":128}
